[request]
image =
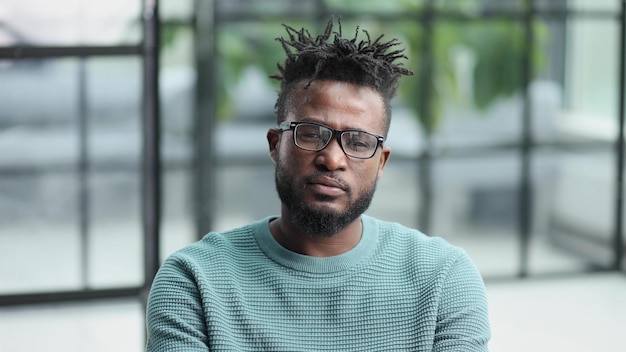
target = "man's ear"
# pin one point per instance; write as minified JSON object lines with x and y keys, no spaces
{"x":384,"y":157}
{"x":273,"y":140}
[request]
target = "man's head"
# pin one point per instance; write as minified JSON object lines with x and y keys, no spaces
{"x":365,"y":63}
{"x":333,"y":112}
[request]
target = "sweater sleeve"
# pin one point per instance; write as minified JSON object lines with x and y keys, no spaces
{"x":463,"y":319}
{"x":174,"y":317}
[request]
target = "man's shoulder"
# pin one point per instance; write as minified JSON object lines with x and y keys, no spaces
{"x":385,"y":226}
{"x":399,"y":230}
{"x":407,"y":238}
{"x":216,"y":245}
{"x":428,"y":257}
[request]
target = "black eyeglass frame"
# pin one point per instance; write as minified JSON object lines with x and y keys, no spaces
{"x":291,"y":126}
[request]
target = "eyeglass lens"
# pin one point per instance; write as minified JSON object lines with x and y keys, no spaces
{"x":354,"y":143}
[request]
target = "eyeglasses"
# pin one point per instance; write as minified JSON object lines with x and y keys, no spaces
{"x":315,"y":137}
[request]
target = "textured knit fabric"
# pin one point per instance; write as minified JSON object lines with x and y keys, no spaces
{"x":397,"y":290}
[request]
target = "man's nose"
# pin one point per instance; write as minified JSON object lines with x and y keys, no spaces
{"x":332,"y":156}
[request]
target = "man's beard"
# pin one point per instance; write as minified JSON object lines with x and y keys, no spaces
{"x":318,"y":221}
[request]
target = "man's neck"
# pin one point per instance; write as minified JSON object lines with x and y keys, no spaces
{"x":289,"y":236}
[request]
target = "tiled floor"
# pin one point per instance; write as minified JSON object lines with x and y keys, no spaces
{"x":576,"y":314}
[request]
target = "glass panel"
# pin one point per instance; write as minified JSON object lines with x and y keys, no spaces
{"x":115,"y":243}
{"x":476,"y":6}
{"x":56,"y":107}
{"x":476,"y":98}
{"x":397,"y":194}
{"x":69,"y":22}
{"x":553,"y":185}
{"x":266,"y":7}
{"x":373,"y":6}
{"x":582,"y":108}
{"x":176,"y":9}
{"x":581,"y":210}
{"x":176,"y":50}
{"x":591,"y":74}
{"x":476,"y":207}
{"x":177,"y":221}
{"x":546,"y":90}
{"x":114,"y":100}
{"x":551,"y":5}
{"x":404,"y":7}
{"x":177,"y":84}
{"x":40,"y":241}
{"x":245,"y":194}
{"x":114,"y":103}
{"x":406,"y":136}
{"x":602,"y":5}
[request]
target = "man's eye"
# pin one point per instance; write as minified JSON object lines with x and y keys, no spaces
{"x":357,"y":143}
{"x":309,"y":135}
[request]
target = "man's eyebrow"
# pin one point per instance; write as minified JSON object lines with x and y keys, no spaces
{"x":309,"y":119}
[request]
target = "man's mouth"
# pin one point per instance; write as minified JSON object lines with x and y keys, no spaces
{"x":327,"y":185}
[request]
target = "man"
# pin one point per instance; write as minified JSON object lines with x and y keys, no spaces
{"x":322,"y":276}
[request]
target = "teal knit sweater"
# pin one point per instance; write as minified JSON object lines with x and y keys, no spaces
{"x":397,"y":290}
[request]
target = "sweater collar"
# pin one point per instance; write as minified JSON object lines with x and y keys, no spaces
{"x":318,"y":265}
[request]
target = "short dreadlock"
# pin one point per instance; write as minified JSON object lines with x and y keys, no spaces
{"x":366,"y":63}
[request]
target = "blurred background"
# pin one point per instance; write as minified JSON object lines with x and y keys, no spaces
{"x":131,"y":128}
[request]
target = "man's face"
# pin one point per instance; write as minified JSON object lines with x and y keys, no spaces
{"x":324,"y":191}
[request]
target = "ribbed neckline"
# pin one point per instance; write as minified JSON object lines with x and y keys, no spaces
{"x":317,"y":265}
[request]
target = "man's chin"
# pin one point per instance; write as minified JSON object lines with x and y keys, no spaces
{"x":326,"y":207}
{"x":321,"y":220}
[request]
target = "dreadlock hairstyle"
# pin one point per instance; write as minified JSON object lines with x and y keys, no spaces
{"x":365,"y":62}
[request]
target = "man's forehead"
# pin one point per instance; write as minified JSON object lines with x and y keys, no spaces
{"x":357,"y":106}
{"x":309,"y":89}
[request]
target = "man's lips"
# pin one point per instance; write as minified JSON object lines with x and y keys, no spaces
{"x":327,"y":181}
{"x":327,"y":185}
